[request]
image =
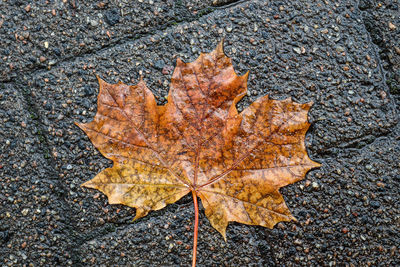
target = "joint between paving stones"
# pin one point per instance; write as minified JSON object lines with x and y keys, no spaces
{"x":38,"y":120}
{"x":367,"y":10}
{"x":383,"y":72}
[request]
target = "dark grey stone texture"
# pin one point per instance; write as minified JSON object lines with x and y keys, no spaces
{"x":322,"y":51}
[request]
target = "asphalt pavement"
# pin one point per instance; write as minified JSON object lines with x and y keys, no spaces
{"x":344,"y":55}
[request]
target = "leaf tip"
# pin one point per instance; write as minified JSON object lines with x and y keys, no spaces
{"x":100,"y":80}
{"x":220,"y":47}
{"x":288,"y":100}
{"x":221,"y":229}
{"x":140,"y":213}
{"x":82,"y":126}
{"x":223,"y":233}
{"x":179,"y":62}
{"x":246,"y":75}
{"x":88,"y":184}
{"x":308,"y":105}
{"x":224,"y":236}
{"x":316,"y":164}
{"x":141,"y":79}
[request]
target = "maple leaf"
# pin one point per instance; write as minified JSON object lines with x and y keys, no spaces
{"x":199,"y":143}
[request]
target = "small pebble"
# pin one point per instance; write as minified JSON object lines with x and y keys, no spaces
{"x":297,"y":50}
{"x":392,"y":26}
{"x":25,"y":212}
{"x":94,"y":23}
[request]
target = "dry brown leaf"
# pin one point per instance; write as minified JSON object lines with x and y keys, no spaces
{"x":199,"y":143}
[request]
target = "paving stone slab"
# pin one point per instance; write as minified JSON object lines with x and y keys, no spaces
{"x":34,"y":222}
{"x":165,"y":239}
{"x":38,"y":34}
{"x":348,"y":212}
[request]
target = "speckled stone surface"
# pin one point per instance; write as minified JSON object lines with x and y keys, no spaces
{"x":328,"y":52}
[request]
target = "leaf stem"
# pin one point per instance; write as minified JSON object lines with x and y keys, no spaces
{"x":196,"y":227}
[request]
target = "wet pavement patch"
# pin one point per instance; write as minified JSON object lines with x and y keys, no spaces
{"x":347,"y":211}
